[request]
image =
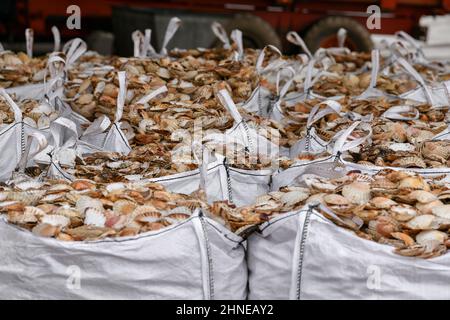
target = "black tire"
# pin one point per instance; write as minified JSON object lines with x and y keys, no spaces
{"x":329,"y":26}
{"x":256,"y":32}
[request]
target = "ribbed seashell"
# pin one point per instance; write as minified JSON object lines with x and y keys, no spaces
{"x":60,"y":187}
{"x":435,"y":148}
{"x":56,"y":220}
{"x":427,"y":236}
{"x":422,"y":196}
{"x":357,"y":192}
{"x":28,"y":197}
{"x":442,"y":211}
{"x":53,"y":197}
{"x":414,"y":183}
{"x":26,"y":185}
{"x":94,"y":217}
{"x":383,"y":184}
{"x":21,"y":218}
{"x":180,"y":209}
{"x":176,"y":218}
{"x":294,"y":197}
{"x":316,"y":199}
{"x":335,"y":199}
{"x":402,"y":147}
{"x":82,"y":184}
{"x":148,"y":217}
{"x":85,"y":202}
{"x":421,"y":222}
{"x":34,"y":211}
{"x":45,"y":230}
{"x":69,"y":212}
{"x":403,"y":212}
{"x":426,"y":208}
{"x":423,"y":135}
{"x":410,"y":162}
{"x":382,"y":202}
{"x":124,"y":207}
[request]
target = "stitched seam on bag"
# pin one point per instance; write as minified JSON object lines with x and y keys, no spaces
{"x":222,"y":233}
{"x":302,"y":252}
{"x":229,"y":189}
{"x":59,"y":170}
{"x":210,"y":264}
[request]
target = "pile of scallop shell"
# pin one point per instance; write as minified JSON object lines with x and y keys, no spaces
{"x":84,"y":210}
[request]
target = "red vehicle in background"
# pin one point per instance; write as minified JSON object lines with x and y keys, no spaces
{"x":262,"y":22}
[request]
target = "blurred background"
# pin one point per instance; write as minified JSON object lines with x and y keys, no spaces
{"x":107,"y":24}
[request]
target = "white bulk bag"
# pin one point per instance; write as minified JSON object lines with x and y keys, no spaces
{"x":326,"y":165}
{"x":312,"y":143}
{"x":52,"y":87}
{"x":112,"y":139}
{"x":320,"y":260}
{"x":195,"y":259}
{"x":372,"y":270}
{"x":270,"y":258}
{"x":13,"y":139}
{"x":261,"y":97}
{"x":222,"y":182}
{"x":241,"y":133}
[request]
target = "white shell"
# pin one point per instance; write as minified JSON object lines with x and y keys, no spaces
{"x":402,"y":147}
{"x":425,"y":237}
{"x":442,"y":211}
{"x":56,"y":220}
{"x":293,"y":197}
{"x":94,"y":217}
{"x":422,"y":196}
{"x":357,"y":192}
{"x":421,"y":222}
{"x":403,"y":212}
{"x":115,"y":186}
{"x":85,"y":202}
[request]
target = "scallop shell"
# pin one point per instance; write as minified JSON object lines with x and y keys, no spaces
{"x":428,"y":207}
{"x":29,"y":185}
{"x":56,"y":220}
{"x":414,"y":183}
{"x":403,"y":212}
{"x":335,"y":199}
{"x":357,"y":192}
{"x":410,"y":162}
{"x":111,"y":187}
{"x":402,"y":147}
{"x":85,"y":202}
{"x":422,"y":222}
{"x":182,"y":209}
{"x":34,"y":211}
{"x":28,"y":197}
{"x":148,"y":217}
{"x":94,"y":217}
{"x":316,"y":199}
{"x":124,"y":207}
{"x":45,"y":230}
{"x":82,"y":184}
{"x":382,"y":202}
{"x":422,"y":196}
{"x":442,"y":211}
{"x":174,"y":218}
{"x":427,"y":236}
{"x":294,"y":197}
